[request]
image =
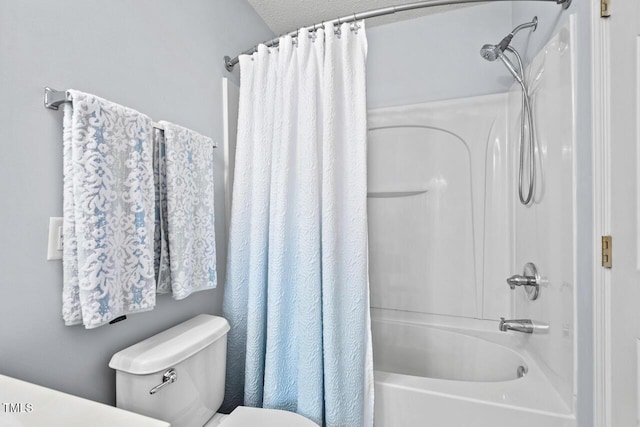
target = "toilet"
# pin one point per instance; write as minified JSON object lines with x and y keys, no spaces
{"x":178,"y":376}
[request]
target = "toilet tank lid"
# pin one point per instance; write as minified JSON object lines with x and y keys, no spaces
{"x":170,"y":347}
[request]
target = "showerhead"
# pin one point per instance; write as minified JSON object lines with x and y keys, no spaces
{"x":491,"y":52}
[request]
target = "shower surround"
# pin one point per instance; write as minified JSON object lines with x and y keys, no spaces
{"x":445,"y":231}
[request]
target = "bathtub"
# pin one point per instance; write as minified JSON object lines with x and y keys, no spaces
{"x":434,"y":374}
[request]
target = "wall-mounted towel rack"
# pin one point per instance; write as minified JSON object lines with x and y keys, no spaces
{"x":54,"y":98}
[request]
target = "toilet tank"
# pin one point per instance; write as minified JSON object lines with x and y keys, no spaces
{"x":196,"y":350}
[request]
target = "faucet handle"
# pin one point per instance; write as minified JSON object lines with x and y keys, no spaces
{"x":501,"y":325}
{"x":529,"y":278}
{"x":518,"y":280}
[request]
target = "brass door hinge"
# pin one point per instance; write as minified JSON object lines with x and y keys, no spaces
{"x":605,"y":8}
{"x":606,"y":251}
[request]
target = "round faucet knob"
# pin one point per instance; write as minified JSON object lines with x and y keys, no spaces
{"x":529,"y":278}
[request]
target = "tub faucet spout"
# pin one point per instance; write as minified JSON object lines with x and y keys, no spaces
{"x":520,"y":325}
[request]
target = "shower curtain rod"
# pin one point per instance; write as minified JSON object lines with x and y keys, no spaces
{"x":229,"y":63}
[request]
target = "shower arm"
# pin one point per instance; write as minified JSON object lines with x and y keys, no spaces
{"x":533,"y":23}
{"x":229,"y":62}
{"x":505,"y":42}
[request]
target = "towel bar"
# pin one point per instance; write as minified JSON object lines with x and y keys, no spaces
{"x":53,"y":98}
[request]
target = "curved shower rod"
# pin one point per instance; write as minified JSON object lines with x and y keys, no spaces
{"x":229,"y":63}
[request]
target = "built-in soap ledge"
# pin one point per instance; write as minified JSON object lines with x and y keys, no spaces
{"x":29,"y":405}
{"x":395,"y":193}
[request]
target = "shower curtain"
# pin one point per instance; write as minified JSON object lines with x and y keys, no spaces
{"x":297,"y":291}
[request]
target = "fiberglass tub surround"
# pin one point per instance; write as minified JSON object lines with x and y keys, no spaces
{"x":445,"y":231}
{"x":423,"y":350}
{"x":544,"y":231}
{"x":474,"y":375}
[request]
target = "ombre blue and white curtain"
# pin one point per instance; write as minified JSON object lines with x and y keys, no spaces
{"x":297,"y":291}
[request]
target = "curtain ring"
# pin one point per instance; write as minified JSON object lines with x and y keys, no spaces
{"x":312,"y":34}
{"x":276,"y":46}
{"x":338,"y":30}
{"x":355,"y":27}
{"x":269,"y":48}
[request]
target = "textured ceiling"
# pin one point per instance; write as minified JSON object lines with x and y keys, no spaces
{"x":283,"y":16}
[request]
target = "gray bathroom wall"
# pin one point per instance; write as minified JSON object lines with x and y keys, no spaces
{"x":437,"y":56}
{"x":161,"y":57}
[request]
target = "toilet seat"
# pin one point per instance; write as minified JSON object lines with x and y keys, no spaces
{"x":244,"y":416}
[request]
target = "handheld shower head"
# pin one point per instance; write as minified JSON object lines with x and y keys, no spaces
{"x":512,"y":69}
{"x":490,"y":52}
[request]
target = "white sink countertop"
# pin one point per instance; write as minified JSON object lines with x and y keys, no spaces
{"x":23,"y":404}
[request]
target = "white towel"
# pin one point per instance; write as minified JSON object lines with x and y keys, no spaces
{"x":187,"y":220}
{"x":108,"y":204}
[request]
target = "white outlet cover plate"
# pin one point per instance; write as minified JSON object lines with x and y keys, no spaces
{"x":55,"y":239}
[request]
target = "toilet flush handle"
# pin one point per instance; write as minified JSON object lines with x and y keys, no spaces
{"x":169,"y":377}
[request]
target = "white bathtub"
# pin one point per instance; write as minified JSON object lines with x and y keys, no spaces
{"x":446,"y":376}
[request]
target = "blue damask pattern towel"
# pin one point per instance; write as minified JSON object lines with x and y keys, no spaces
{"x":186,"y":258}
{"x":162,"y":260}
{"x":108,"y":202}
